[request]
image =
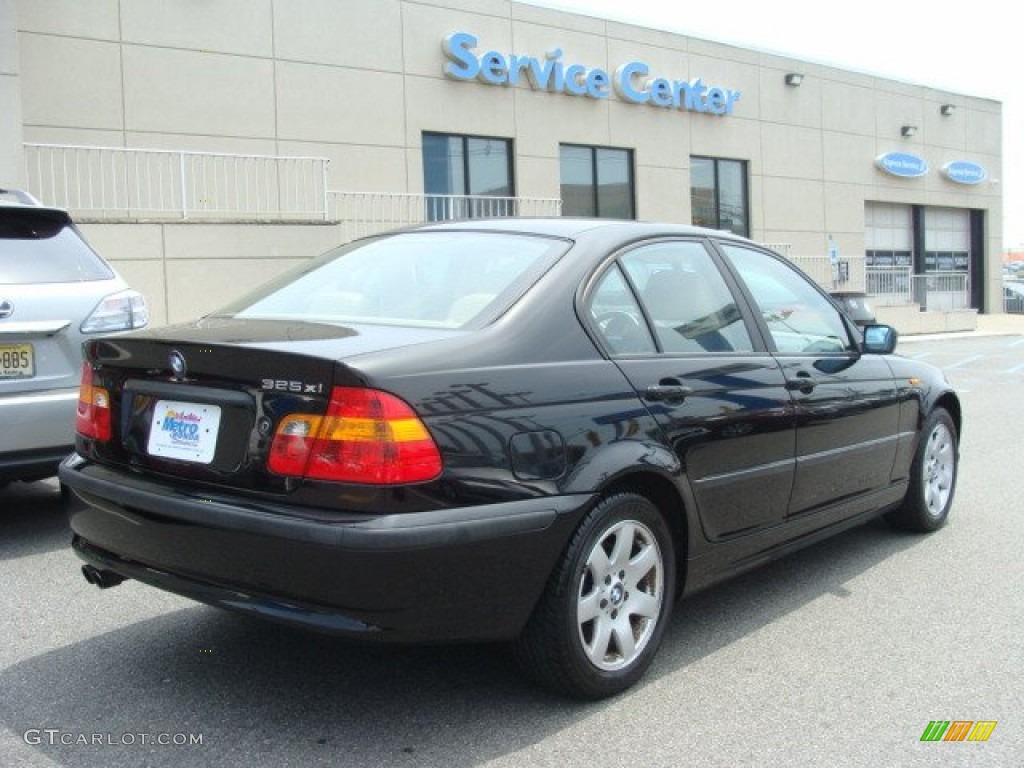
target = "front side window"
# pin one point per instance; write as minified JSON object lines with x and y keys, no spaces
{"x":458,"y":166}
{"x":718,"y":194}
{"x":799,"y":318}
{"x":597,"y":181}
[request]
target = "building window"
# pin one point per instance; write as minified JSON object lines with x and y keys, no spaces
{"x":718,"y":194}
{"x":597,"y":181}
{"x":458,"y":166}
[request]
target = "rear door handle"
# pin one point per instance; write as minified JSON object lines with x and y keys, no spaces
{"x":672,"y":393}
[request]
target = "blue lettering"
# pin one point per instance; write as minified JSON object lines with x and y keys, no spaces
{"x":624,"y":81}
{"x":180,"y":430}
{"x":730,"y":102}
{"x":492,"y":68}
{"x":575,"y":80}
{"x":630,"y":81}
{"x":660,"y":91}
{"x":597,"y":84}
{"x":457,"y":47}
{"x":540,"y":74}
{"x":716,"y":101}
{"x":517,"y":64}
{"x":695,"y":95}
{"x":559,"y":72}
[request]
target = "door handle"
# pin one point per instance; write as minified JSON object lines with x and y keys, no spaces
{"x":803,"y":382}
{"x":672,"y":393}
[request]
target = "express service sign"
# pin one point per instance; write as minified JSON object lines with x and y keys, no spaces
{"x":632,"y":81}
{"x":964,"y":172}
{"x":902,"y":164}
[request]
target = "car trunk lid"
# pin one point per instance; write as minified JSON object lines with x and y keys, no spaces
{"x":202,"y":402}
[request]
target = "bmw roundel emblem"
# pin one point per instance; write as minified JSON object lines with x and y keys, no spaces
{"x":177,"y":363}
{"x":6,"y":309}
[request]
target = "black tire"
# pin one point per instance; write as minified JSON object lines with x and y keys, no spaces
{"x":629,"y":592}
{"x":932,"y":477}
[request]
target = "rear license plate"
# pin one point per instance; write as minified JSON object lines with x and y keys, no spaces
{"x":184,"y":431}
{"x":17,"y":361}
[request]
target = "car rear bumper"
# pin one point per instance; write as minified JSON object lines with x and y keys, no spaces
{"x":470,"y":573}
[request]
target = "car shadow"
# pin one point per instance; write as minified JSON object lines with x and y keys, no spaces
{"x":259,"y":691}
{"x":33,"y":519}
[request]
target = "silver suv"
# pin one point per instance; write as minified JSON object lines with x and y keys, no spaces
{"x":55,"y":293}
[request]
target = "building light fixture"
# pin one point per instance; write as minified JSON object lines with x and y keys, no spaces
{"x":947,"y":109}
{"x":908,"y":130}
{"x":794,"y":79}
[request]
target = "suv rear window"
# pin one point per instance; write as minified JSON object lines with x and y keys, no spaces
{"x":41,"y":246}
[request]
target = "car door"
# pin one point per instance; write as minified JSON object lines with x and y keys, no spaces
{"x":669,"y":320}
{"x":847,"y":403}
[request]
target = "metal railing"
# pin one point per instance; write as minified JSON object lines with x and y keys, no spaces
{"x":782,"y":249}
{"x":847,"y":275}
{"x":120,"y":183}
{"x":367,"y":213}
{"x":942,"y":291}
{"x":890,"y":286}
{"x":1013,"y":297}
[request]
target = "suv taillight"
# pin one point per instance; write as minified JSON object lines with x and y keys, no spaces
{"x":93,"y":418}
{"x":366,"y":436}
{"x":124,"y":311}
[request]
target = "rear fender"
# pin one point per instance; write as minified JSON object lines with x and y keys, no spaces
{"x":604,"y":465}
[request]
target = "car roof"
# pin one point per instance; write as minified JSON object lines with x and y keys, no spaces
{"x":574,"y":227}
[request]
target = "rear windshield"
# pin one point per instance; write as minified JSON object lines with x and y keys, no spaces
{"x":417,"y":279}
{"x":38,"y":248}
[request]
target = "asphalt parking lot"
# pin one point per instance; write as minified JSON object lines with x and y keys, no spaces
{"x":838,"y":655}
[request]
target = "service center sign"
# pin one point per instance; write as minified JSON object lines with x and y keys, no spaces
{"x":631,"y":82}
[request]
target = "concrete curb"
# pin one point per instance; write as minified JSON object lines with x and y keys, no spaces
{"x":988,"y":325}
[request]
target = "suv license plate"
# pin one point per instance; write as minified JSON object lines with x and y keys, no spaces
{"x":17,"y":361}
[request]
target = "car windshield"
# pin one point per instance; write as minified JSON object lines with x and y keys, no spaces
{"x":35,"y":248}
{"x":418,"y":279}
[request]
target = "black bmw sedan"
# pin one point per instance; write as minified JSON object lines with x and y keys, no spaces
{"x":537,"y":431}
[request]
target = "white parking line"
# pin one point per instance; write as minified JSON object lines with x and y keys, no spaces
{"x":1016,"y":369}
{"x":1016,"y":343}
{"x":965,"y":361}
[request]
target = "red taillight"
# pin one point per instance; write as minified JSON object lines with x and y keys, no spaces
{"x":93,"y":418}
{"x":366,"y":436}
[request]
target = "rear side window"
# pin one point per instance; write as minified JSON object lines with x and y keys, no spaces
{"x":38,"y":247}
{"x":691,"y":307}
{"x":417,"y":279}
{"x":618,"y":317}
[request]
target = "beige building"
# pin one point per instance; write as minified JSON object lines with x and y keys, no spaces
{"x":206,"y":146}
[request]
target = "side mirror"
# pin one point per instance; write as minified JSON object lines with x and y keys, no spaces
{"x":879,"y":339}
